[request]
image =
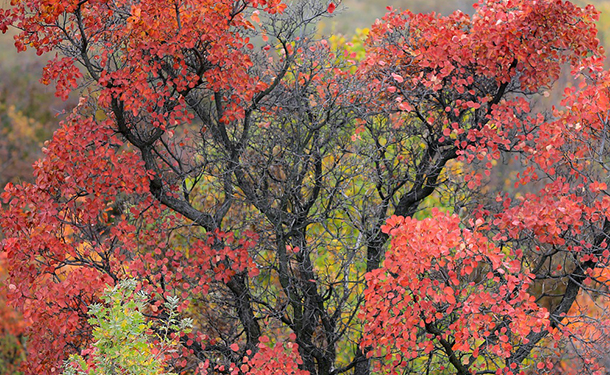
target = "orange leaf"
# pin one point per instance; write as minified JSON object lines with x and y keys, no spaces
{"x":255,"y":17}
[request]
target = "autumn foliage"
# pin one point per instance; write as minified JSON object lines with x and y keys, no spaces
{"x":297,"y":195}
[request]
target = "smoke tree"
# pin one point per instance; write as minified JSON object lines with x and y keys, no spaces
{"x":295,"y":194}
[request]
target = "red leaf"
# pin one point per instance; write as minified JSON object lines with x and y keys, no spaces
{"x":331,"y":7}
{"x":449,"y":295}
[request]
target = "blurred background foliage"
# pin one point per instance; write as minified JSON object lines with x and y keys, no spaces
{"x":30,"y":112}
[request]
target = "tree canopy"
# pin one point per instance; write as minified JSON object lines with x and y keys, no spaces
{"x":316,"y":206}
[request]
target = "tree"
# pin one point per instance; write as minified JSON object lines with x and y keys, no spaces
{"x":12,"y":337}
{"x":122,"y":338}
{"x":223,"y":154}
